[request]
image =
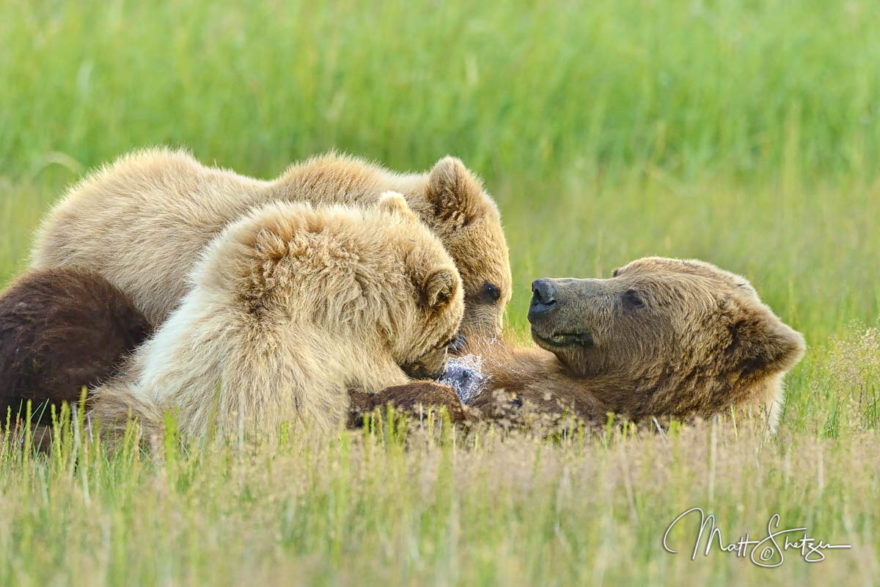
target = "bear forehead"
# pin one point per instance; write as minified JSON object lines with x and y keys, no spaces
{"x":687,"y":273}
{"x":480,"y":250}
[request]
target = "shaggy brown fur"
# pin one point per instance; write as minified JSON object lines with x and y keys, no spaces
{"x":142,"y":222}
{"x":408,"y":398}
{"x":62,"y":330}
{"x":662,"y":337}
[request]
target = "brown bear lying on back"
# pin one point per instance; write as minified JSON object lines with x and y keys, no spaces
{"x":661,"y":337}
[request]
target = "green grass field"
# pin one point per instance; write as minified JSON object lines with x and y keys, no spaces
{"x":743,"y":133}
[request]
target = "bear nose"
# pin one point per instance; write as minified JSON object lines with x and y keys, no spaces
{"x":418,"y":370}
{"x":543,"y":297}
{"x":544,"y":292}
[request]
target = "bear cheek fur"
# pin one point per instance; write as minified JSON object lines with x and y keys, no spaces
{"x":629,"y":365}
{"x":484,"y":316}
{"x":624,"y":349}
{"x":760,"y":349}
{"x":630,"y":346}
{"x":734,"y":353}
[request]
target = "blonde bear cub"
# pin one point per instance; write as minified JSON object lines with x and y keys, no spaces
{"x":141,"y":222}
{"x":288,"y":309}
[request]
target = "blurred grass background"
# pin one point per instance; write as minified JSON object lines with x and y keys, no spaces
{"x":744,"y":133}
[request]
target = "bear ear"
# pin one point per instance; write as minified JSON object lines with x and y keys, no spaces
{"x":761,"y":344}
{"x":453,"y":192}
{"x":395,"y":203}
{"x":439,"y":288}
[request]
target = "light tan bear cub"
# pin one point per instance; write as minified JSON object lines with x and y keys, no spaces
{"x":142,"y":221}
{"x":288,"y":309}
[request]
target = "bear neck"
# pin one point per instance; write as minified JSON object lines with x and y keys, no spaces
{"x":539,"y":378}
{"x":683,"y":393}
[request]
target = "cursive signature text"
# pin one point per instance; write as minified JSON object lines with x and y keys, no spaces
{"x":767,"y":552}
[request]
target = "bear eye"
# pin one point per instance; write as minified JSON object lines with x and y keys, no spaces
{"x":632,"y":300}
{"x":490,"y":293}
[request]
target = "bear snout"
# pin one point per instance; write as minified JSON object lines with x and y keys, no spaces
{"x":543,"y":298}
{"x":419,"y":370}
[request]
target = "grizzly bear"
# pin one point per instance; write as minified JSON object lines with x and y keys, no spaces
{"x":661,"y":337}
{"x":289,"y":308}
{"x":61,"y":330}
{"x":142,"y":221}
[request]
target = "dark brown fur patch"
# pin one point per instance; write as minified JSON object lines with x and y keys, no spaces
{"x":60,"y":330}
{"x":408,"y":398}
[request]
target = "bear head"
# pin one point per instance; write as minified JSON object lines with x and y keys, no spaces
{"x":373,"y":277}
{"x":469,"y":224}
{"x":667,"y":336}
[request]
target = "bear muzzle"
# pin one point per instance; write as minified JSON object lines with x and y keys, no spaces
{"x":418,"y":370}
{"x":547,"y":315}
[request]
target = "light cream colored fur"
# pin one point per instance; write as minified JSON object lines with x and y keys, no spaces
{"x":286,"y":310}
{"x":142,"y":221}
